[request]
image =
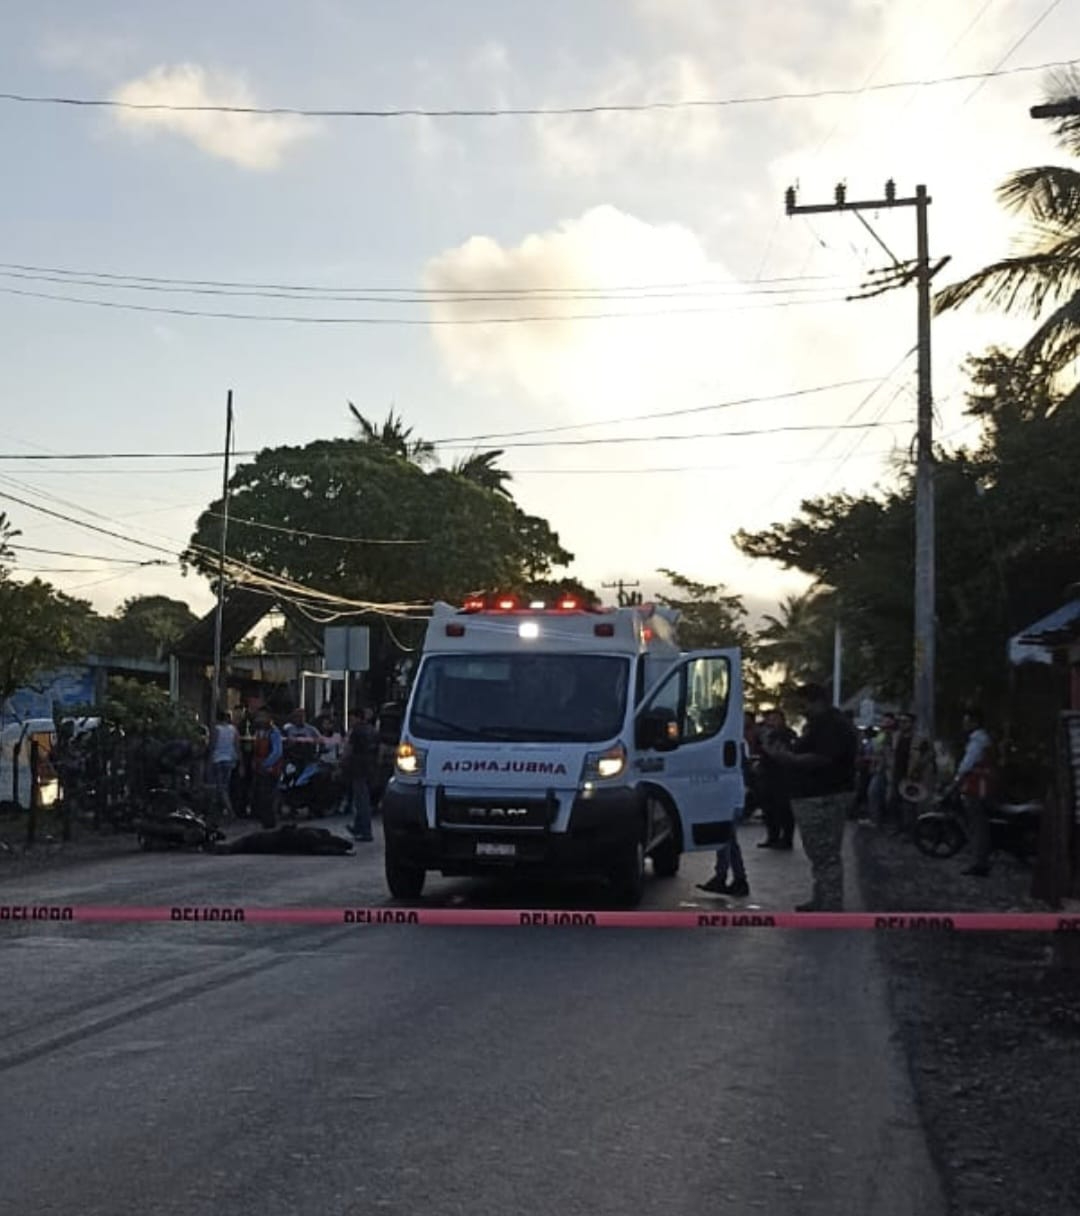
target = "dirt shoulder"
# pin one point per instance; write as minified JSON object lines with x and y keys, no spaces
{"x":991,"y":1027}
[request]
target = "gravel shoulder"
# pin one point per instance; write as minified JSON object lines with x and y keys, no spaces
{"x":990,"y":1024}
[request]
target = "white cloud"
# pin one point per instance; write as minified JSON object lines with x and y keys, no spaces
{"x":253,"y":141}
{"x":716,"y":343}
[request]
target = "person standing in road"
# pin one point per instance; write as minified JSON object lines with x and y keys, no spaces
{"x":773,"y":784}
{"x":224,"y":757}
{"x":360,"y":752}
{"x":821,"y":767}
{"x":266,"y":755}
{"x":975,"y":780}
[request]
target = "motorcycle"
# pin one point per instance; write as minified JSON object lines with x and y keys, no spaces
{"x":307,"y":783}
{"x":944,"y":831}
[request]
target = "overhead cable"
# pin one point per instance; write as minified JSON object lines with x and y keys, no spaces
{"x":638,"y":107}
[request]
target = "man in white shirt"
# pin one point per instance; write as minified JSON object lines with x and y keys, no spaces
{"x":974,"y":779}
{"x":224,"y":756}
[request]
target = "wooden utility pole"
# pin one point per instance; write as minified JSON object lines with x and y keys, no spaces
{"x":921,"y":273}
{"x":624,"y":597}
{"x":215,"y":694}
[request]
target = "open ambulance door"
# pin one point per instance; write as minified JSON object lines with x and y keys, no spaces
{"x":689,"y":735}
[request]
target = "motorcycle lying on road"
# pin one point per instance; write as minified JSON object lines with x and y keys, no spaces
{"x":944,"y":831}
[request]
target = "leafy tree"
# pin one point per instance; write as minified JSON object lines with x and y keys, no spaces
{"x":41,"y":629}
{"x":395,"y":436}
{"x":1045,"y":273}
{"x":146,"y":625}
{"x":448,"y":537}
{"x":139,"y":708}
{"x":710,"y":617}
{"x":1008,"y":535}
{"x":481,"y":467}
{"x":798,"y":640}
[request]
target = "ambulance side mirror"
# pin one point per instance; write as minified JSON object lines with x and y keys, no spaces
{"x":657,"y":730}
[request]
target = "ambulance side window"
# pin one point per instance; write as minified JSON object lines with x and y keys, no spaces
{"x":670,"y":695}
{"x":708,"y":693}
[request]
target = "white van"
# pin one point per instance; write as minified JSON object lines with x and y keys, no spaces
{"x":16,"y":774}
{"x":562,"y":739}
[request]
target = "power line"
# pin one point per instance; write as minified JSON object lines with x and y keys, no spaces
{"x":611,"y":439}
{"x":90,"y":557}
{"x":996,"y":70}
{"x":682,"y":468}
{"x":81,"y":523}
{"x":422,"y":296}
{"x":421,"y":322}
{"x":705,"y":103}
{"x":696,"y":409}
{"x":609,"y":288}
{"x":349,"y":540}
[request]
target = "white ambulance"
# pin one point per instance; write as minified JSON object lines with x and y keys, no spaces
{"x":556,"y":738}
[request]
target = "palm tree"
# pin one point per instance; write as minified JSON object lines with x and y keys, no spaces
{"x":1045,"y":272}
{"x":395,"y":436}
{"x":800,"y":637}
{"x":481,"y":468}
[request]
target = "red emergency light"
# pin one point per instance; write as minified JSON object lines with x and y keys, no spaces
{"x":506,"y":603}
{"x":568,"y":604}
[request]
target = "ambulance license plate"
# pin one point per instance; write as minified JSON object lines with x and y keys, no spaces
{"x":486,"y":848}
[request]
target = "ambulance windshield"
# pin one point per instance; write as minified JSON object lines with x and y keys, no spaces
{"x":522,"y":697}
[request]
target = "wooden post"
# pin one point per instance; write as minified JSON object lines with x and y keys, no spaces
{"x":35,"y":793}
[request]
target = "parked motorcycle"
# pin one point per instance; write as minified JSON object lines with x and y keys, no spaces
{"x":307,"y":784}
{"x":944,"y":831}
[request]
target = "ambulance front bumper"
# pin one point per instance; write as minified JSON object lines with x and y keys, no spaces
{"x":475,"y":838}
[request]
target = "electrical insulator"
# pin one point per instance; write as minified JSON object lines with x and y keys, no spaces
{"x":789,"y":199}
{"x":841,"y":193}
{"x":890,"y":191}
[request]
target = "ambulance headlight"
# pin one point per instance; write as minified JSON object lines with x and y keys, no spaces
{"x":409,"y":760}
{"x":603,"y":766}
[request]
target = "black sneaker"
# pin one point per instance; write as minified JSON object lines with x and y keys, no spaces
{"x":715,"y":886}
{"x":740,"y":889}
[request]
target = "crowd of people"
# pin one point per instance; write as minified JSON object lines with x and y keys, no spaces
{"x":882,"y":775}
{"x":251,"y":758}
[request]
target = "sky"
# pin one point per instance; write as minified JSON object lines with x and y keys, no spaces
{"x":668,"y":223}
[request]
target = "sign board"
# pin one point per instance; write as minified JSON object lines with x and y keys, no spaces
{"x":347,"y":648}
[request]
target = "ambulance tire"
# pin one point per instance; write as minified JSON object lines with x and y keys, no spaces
{"x":666,"y":858}
{"x":667,"y":854}
{"x":627,"y":876}
{"x":404,"y":878}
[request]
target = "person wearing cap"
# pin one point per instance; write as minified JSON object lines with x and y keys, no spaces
{"x":821,"y":770}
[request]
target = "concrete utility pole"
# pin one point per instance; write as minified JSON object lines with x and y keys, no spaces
{"x":624,"y":597}
{"x":921,"y":273}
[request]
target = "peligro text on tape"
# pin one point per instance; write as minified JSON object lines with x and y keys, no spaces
{"x":994,"y":922}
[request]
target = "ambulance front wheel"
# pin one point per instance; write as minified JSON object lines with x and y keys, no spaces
{"x":404,"y":878}
{"x":627,"y":876}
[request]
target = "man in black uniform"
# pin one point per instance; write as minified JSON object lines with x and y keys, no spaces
{"x":821,"y":768}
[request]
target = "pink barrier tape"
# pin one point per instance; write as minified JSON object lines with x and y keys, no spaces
{"x":986,"y":922}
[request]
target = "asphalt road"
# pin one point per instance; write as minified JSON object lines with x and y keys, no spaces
{"x":272,"y":1070}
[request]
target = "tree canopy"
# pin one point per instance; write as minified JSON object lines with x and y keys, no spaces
{"x":362,"y":521}
{"x":1008,"y":539}
{"x":145,"y":625}
{"x":40,"y":628}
